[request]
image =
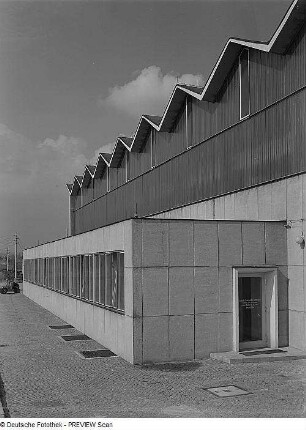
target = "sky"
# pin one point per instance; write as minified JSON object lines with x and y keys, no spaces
{"x":74,"y":75}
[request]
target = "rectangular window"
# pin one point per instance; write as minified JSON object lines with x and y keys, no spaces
{"x":98,"y":277}
{"x":108,"y":279}
{"x":153,"y":149}
{"x":102,"y":279}
{"x":64,"y":274}
{"x":127,"y":164}
{"x":83,"y":269}
{"x":107,"y":179}
{"x":78,"y":275}
{"x":120,"y":281}
{"x":188,"y":105}
{"x":244,"y":70}
{"x":90,"y":277}
{"x":115,"y":276}
{"x":57,"y":277}
{"x":73,"y":276}
{"x":70,"y":268}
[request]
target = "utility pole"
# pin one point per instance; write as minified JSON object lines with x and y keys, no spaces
{"x":16,"y":242}
{"x":7,"y":259}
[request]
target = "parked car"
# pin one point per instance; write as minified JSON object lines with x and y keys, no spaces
{"x":10,"y":287}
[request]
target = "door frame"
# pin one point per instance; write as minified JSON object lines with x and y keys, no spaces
{"x":270,"y":291}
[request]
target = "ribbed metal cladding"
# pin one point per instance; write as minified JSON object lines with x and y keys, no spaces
{"x":265,"y":147}
{"x":272,"y":76}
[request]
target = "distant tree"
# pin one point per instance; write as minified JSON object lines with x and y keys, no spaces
{"x":7,"y":275}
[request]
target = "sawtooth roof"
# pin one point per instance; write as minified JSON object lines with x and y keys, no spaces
{"x":288,"y":28}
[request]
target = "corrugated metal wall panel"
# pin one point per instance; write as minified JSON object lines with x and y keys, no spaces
{"x":274,"y":76}
{"x":113,"y":178}
{"x":100,"y":187}
{"x":265,"y":147}
{"x":170,"y":144}
{"x":209,"y":118}
{"x":140,"y":162}
{"x":121,"y":171}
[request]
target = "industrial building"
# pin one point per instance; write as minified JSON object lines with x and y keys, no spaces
{"x":189,"y":238}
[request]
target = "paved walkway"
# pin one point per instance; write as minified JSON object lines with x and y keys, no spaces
{"x":43,"y":376}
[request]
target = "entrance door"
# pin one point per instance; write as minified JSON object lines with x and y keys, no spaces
{"x":252,"y":312}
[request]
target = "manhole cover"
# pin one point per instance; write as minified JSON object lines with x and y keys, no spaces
{"x":259,"y":352}
{"x":227,"y":391}
{"x":69,"y":338}
{"x":98,"y":353}
{"x":60,"y":327}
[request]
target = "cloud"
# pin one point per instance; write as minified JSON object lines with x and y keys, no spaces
{"x":104,"y":148}
{"x":148,"y":93}
{"x":29,"y":167}
{"x":33,"y":194}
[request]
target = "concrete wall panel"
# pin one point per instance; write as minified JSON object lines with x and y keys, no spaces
{"x":251,"y":204}
{"x":225,"y":286}
{"x":136,"y":243}
{"x":137,"y":342}
{"x":229,"y":206}
{"x":181,"y":327}
{"x":296,"y":288}
{"x":137,"y":292}
{"x":240,"y":206}
{"x":155,"y":239}
{"x":276,"y":245}
{"x":181,"y":291}
{"x":225,"y":332}
{"x":206,"y":244}
{"x":209,"y":209}
{"x":283,"y":328}
{"x":219,"y":208}
{"x":297,"y":329}
{"x":155,"y":339}
{"x":253,"y":243}
{"x":278,"y":196}
{"x":265,"y":202}
{"x":128,"y":290}
{"x":206,"y":335}
{"x":181,"y":243}
{"x":283,"y":286}
{"x":295,"y":252}
{"x":155,"y":291}
{"x":230,"y":244}
{"x":206,"y":289}
{"x":295,"y":198}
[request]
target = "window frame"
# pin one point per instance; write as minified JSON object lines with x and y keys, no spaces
{"x":240,"y":83}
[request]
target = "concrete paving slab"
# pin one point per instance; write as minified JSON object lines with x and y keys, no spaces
{"x":232,"y":357}
{"x":44,"y":378}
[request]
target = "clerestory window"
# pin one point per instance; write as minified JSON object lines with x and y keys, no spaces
{"x":244,"y":71}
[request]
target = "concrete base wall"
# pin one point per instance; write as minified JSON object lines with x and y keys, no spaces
{"x":281,"y":200}
{"x":183,"y":284}
{"x":110,"y":329}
